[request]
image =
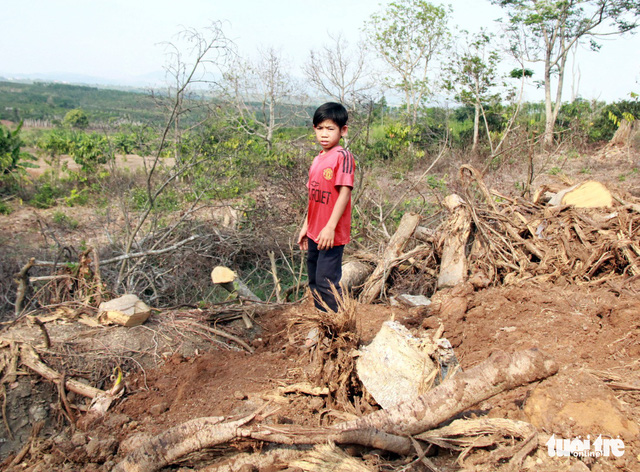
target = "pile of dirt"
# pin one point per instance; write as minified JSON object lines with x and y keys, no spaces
{"x":593,"y":333}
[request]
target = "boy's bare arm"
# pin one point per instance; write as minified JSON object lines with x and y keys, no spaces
{"x":327,"y":235}
{"x":303,"y":240}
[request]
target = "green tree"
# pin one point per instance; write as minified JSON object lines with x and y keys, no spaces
{"x":12,"y":158}
{"x":553,"y":27}
{"x":76,"y":118}
{"x":90,"y":151}
{"x":472,"y":76}
{"x":409,"y":35}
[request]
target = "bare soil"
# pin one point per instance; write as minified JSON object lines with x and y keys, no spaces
{"x":593,"y":332}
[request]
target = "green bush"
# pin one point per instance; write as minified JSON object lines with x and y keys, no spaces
{"x":47,"y":196}
{"x":606,"y":123}
{"x":5,"y":209}
{"x":76,"y":118}
{"x":63,"y":220}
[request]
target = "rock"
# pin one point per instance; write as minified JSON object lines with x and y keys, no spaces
{"x":238,"y":395}
{"x":133,"y":442}
{"x":159,"y":408}
{"x":99,"y":450}
{"x":79,"y":439}
{"x":413,"y":300}
{"x":127,"y":310}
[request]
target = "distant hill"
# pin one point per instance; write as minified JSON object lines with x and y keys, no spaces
{"x":51,"y":101}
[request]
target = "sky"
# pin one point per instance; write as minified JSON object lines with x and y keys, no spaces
{"x":121,"y":41}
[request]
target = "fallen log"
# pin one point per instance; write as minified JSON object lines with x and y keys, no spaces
{"x":354,"y":274}
{"x":375,"y":282}
{"x":384,"y":429}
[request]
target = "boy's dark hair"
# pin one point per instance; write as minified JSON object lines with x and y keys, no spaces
{"x":331,"y":111}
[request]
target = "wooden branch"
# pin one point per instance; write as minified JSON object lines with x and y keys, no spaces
{"x":375,"y":283}
{"x":276,"y":280}
{"x":154,"y":252}
{"x":178,"y":441}
{"x":30,"y":358}
{"x":22,"y":279}
{"x":131,"y":255}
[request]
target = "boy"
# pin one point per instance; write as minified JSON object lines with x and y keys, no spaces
{"x":327,"y":227}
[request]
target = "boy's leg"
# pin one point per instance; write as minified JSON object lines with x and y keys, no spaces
{"x":328,"y":272}
{"x":312,"y":265}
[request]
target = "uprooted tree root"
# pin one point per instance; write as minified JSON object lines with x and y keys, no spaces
{"x":333,"y":340}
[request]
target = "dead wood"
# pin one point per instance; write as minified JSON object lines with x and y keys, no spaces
{"x":354,"y":274}
{"x":217,"y":331}
{"x":22,"y":279}
{"x":515,"y":239}
{"x":501,"y":371}
{"x":375,"y":282}
{"x":262,"y":460}
{"x":179,"y":441}
{"x":327,"y":457}
{"x":276,"y":281}
{"x":589,"y":194}
{"x":454,"y":265}
{"x":461,"y":435}
{"x":30,"y":358}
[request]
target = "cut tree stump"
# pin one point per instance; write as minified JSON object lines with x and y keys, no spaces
{"x":228,"y":280}
{"x":375,"y":283}
{"x":127,"y":310}
{"x":454,"y":265}
{"x":589,"y":194}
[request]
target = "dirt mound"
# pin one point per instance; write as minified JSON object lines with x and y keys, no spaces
{"x":591,"y":332}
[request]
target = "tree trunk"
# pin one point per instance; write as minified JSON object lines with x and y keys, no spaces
{"x":501,"y":371}
{"x":454,"y":266}
{"x":476,"y":129}
{"x":354,"y":274}
{"x":376,"y":281}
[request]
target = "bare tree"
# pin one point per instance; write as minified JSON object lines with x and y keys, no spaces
{"x":191,"y":58}
{"x":263,"y":95}
{"x":338,"y":73}
{"x":205,"y":53}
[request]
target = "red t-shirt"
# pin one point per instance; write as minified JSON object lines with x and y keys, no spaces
{"x":329,"y":170}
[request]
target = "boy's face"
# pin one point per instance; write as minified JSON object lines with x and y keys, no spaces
{"x":328,"y":134}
